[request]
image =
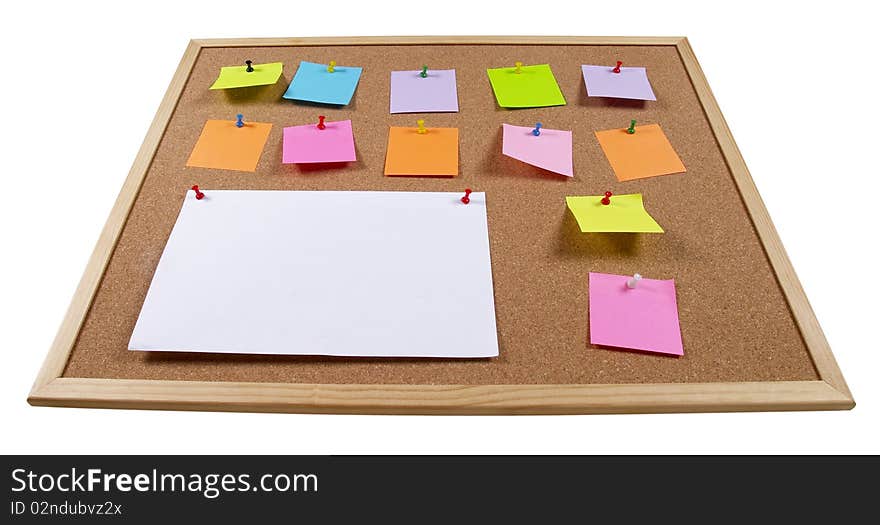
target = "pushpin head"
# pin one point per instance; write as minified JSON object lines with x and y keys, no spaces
{"x":421,"y":124}
{"x":331,"y":67}
{"x":424,"y":73}
{"x":239,"y":122}
{"x":321,"y":122}
{"x":518,"y":69}
{"x":617,"y":68}
{"x":607,"y":199}
{"x":632,"y":127}
{"x":199,"y":194}
{"x":537,"y":130}
{"x":467,"y":196}
{"x":250,"y":68}
{"x":632,"y":283}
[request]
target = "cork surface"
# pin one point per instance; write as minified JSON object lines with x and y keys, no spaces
{"x":735,"y":321}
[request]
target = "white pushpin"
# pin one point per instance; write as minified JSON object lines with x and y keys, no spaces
{"x":631,"y":283}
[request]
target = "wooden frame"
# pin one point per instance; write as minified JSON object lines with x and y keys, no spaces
{"x":830,"y":392}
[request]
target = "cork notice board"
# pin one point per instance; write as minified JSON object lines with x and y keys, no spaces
{"x":751,"y":340}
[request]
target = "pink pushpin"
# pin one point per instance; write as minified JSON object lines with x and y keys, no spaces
{"x":607,"y":199}
{"x":321,"y":122}
{"x":617,"y":68}
{"x":467,"y":196}
{"x":199,"y":194}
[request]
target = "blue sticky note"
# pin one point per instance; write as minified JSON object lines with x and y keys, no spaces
{"x":313,"y":83}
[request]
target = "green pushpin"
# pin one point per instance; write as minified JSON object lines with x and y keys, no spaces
{"x":424,"y":73}
{"x":632,"y":127}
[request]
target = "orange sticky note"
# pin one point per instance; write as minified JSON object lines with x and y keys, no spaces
{"x":434,"y":153}
{"x":645,"y":153}
{"x":223,"y":145}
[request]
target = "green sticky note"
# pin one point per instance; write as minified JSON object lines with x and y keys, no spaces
{"x":532,"y":87}
{"x":625,"y":213}
{"x":238,"y":76}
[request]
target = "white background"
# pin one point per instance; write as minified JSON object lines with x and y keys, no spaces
{"x":81,"y":81}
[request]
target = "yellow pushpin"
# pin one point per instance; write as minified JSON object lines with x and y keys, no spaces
{"x":421,"y":130}
{"x":518,"y":69}
{"x":331,"y":67}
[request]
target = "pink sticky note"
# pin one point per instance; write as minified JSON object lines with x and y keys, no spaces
{"x":308,"y":144}
{"x":551,"y":150}
{"x":640,"y":318}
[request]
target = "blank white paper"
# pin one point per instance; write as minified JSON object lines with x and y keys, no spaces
{"x":340,"y":273}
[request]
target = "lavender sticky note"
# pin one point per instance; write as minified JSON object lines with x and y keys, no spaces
{"x":436,"y":93}
{"x":631,"y":82}
{"x":307,"y":144}
{"x":640,"y":318}
{"x":550,"y":150}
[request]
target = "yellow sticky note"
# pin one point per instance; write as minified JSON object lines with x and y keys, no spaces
{"x":645,"y":153}
{"x":433,"y":153}
{"x":532,"y":87}
{"x":223,"y":145}
{"x":238,"y":76}
{"x":625,"y":213}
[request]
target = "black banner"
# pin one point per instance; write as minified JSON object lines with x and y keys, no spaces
{"x":457,"y":489}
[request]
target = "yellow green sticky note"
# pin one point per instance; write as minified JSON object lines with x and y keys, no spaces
{"x":238,"y":76}
{"x":531,"y":87}
{"x":624,"y":213}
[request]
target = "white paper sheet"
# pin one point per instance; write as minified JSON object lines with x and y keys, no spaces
{"x":342,"y":273}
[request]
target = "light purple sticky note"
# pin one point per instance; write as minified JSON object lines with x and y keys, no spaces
{"x":308,"y":144}
{"x":551,"y":150}
{"x":640,"y":318}
{"x":436,"y":93}
{"x":631,"y":82}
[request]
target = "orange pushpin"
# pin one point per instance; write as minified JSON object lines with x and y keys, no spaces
{"x":421,"y":130}
{"x":518,"y":69}
{"x":331,"y":67}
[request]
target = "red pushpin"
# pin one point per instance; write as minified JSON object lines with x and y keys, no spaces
{"x":199,"y":194}
{"x":607,"y":199}
{"x":467,"y":196}
{"x":617,"y":69}
{"x":321,"y":122}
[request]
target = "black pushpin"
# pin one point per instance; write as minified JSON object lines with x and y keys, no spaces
{"x":249,"y":69}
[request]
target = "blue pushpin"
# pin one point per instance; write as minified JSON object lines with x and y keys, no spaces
{"x":537,"y":130}
{"x":239,"y":123}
